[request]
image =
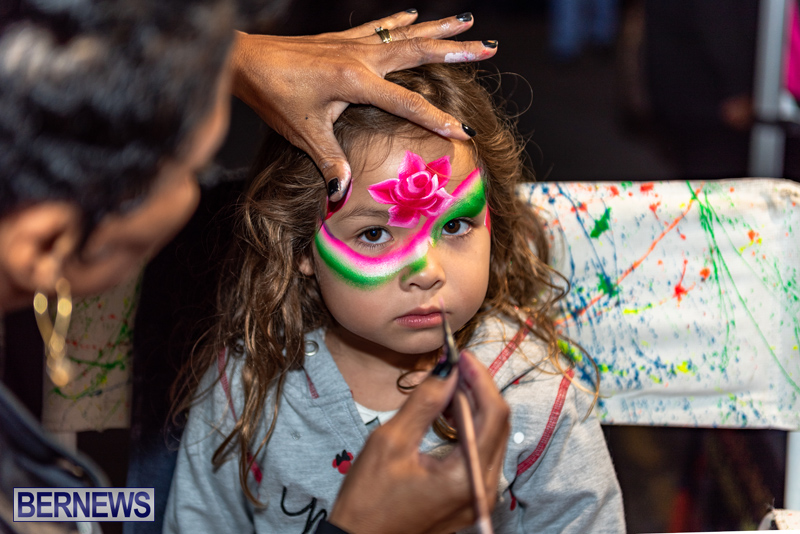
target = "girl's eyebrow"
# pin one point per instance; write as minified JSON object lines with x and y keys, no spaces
{"x":365,"y":212}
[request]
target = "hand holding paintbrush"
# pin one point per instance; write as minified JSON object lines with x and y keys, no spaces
{"x":426,"y":494}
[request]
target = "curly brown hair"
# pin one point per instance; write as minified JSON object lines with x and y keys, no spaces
{"x":266,"y":305}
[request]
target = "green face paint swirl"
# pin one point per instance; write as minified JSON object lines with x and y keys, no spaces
{"x":367,"y":272}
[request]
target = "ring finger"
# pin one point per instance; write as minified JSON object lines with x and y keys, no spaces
{"x":400,"y":27}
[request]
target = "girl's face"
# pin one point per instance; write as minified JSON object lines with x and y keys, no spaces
{"x":401,"y":243}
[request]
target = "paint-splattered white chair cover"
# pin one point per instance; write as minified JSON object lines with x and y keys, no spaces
{"x":686,"y":294}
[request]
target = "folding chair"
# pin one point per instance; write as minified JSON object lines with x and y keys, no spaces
{"x":687,"y":295}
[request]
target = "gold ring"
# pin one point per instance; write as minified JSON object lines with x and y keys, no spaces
{"x":385,"y":36}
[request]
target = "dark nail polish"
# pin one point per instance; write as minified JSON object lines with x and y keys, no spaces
{"x":442,"y":369}
{"x":333,"y":187}
{"x":411,"y":11}
{"x":464,"y":17}
{"x":490,"y":44}
{"x":469,"y":131}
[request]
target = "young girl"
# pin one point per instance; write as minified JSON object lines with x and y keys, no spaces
{"x":330,"y":313}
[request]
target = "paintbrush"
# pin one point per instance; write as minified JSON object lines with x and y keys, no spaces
{"x":466,"y":434}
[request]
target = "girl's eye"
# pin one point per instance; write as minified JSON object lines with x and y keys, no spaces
{"x":375,"y":236}
{"x":456,"y":227}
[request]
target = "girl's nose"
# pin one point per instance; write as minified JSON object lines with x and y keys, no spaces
{"x":430,"y":276}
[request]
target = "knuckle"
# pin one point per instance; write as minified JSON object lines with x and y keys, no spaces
{"x":400,"y":33}
{"x":444,"y":25}
{"x":324,"y":163}
{"x":419,"y":48}
{"x":413,"y":103}
{"x":349,"y":74}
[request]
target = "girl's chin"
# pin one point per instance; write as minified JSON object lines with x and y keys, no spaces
{"x":414,"y":344}
{"x":410,"y":342}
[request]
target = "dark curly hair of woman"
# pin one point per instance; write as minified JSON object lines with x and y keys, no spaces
{"x":95,"y":95}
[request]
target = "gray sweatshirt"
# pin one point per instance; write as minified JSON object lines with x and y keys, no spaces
{"x":557,"y":475}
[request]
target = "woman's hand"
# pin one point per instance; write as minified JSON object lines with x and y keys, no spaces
{"x":300,"y":85}
{"x":393,"y":488}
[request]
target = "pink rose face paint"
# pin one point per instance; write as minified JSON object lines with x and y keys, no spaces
{"x":419,"y":190}
{"x":364,"y":272}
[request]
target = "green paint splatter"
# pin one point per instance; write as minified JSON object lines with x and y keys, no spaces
{"x":606,"y":286}
{"x":601,"y":224}
{"x":633,"y":311}
{"x":570,"y":351}
{"x":626,"y":185}
{"x":708,"y":218}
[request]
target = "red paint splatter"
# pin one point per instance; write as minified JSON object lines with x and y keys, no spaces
{"x":635,"y":264}
{"x":732,"y":189}
{"x":513,"y":500}
{"x":705,"y":272}
{"x":614,"y":191}
{"x":581,"y":207}
{"x":661,"y":262}
{"x":646,"y":188}
{"x":654,"y":207}
{"x":752,"y":234}
{"x":680,"y":291}
{"x":630,"y":193}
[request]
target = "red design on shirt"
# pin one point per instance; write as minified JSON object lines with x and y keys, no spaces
{"x":342,"y":461}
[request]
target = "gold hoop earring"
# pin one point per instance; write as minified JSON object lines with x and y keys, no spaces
{"x":54,"y":333}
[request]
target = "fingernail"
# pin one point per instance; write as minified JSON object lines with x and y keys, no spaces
{"x":464,"y":17}
{"x":333,"y":186}
{"x":442,"y":369}
{"x":411,"y":11}
{"x":490,"y":44}
{"x":469,"y":131}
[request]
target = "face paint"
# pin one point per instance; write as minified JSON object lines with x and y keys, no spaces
{"x":419,"y":190}
{"x":364,"y":271}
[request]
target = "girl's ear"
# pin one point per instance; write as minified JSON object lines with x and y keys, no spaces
{"x":307,"y":265}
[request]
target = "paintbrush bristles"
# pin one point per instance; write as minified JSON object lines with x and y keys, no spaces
{"x":449,"y":342}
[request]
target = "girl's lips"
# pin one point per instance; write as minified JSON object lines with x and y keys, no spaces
{"x":420,"y":320}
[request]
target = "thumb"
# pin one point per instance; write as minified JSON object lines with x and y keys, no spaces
{"x":424,"y":405}
{"x":324,"y":149}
